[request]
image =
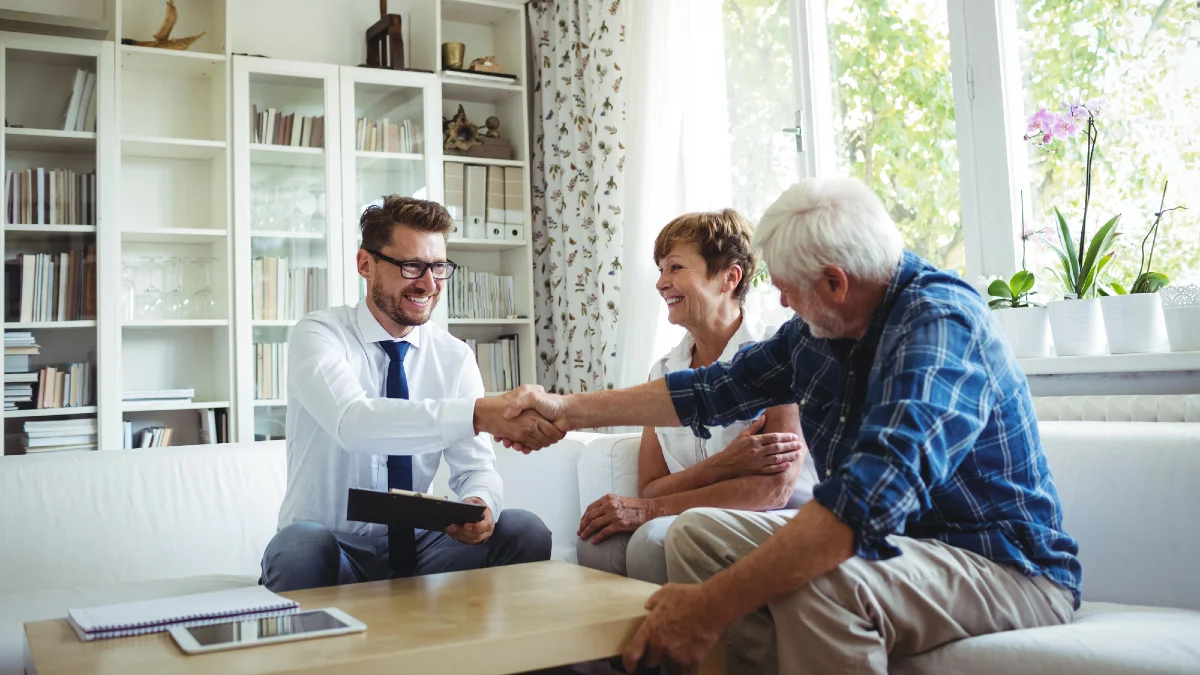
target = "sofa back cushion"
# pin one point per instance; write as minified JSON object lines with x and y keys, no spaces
{"x":609,"y":465}
{"x":1131,"y":499}
{"x":97,"y":518}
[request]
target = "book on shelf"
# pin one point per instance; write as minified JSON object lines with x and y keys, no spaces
{"x":270,"y":370}
{"x":481,"y":295}
{"x":499,"y":362}
{"x":42,"y":196}
{"x":272,"y":127}
{"x":79,"y":114}
{"x":159,"y":396}
{"x":214,"y":425}
{"x":69,"y":386}
{"x":385,"y":135}
{"x":51,"y":286}
{"x":149,"y":437}
{"x":76,"y":433}
{"x":283,"y":293}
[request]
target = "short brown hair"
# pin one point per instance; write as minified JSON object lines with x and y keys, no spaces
{"x":378,"y":221}
{"x":723,"y":238}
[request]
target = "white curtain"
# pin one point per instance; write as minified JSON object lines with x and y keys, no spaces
{"x":578,"y":187}
{"x":677,"y":152}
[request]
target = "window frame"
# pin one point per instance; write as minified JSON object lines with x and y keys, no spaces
{"x":989,"y":122}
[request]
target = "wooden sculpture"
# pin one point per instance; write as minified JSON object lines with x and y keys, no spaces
{"x":385,"y":46}
{"x":162,"y":39}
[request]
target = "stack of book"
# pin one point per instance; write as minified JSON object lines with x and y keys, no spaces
{"x":67,"y":386}
{"x":18,"y":381}
{"x":159,"y":396}
{"x":270,"y":370}
{"x":481,"y":295}
{"x":43,"y":196}
{"x":80,"y":111}
{"x":150,"y":437}
{"x":499,"y":362}
{"x":51,"y":286}
{"x":386,"y":136}
{"x":283,"y":293}
{"x":272,"y":127}
{"x":69,"y":434}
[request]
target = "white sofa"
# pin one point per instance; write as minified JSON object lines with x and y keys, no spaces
{"x":93,"y":528}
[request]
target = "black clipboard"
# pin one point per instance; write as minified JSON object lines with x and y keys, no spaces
{"x":410,"y":509}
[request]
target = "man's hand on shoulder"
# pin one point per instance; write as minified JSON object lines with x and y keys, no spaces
{"x":526,"y":429}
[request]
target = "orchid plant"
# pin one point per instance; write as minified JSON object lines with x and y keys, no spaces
{"x":1148,"y":281}
{"x":1015,"y":292}
{"x":1082,"y":264}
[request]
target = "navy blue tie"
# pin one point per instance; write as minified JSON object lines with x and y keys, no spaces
{"x":402,"y":542}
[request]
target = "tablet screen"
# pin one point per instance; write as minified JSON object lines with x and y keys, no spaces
{"x":252,"y":631}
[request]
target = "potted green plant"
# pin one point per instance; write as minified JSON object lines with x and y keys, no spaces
{"x":1134,"y":318}
{"x":1025,"y":323}
{"x":1077,"y":322}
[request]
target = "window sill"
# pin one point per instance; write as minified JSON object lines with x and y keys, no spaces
{"x":1112,"y":363}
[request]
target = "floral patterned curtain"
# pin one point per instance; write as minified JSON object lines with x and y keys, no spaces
{"x":578,"y":189}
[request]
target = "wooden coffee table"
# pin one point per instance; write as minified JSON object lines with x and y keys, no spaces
{"x":483,"y":622}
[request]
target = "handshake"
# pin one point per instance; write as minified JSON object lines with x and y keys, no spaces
{"x":526,"y":418}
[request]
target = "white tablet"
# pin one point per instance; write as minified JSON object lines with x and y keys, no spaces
{"x":236,"y":634}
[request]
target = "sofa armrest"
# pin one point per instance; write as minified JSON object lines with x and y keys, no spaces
{"x":608,"y":464}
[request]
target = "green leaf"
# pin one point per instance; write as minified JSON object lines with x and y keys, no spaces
{"x":1101,"y":242}
{"x":1151,"y":282}
{"x":1119,"y":289}
{"x":1000,"y":289}
{"x":1066,"y":263}
{"x":999,"y":302}
{"x":1022,"y":282}
{"x":1068,"y":244}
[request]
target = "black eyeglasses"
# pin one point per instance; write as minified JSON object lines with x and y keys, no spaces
{"x":415,"y":269}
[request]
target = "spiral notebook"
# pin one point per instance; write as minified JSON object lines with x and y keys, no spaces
{"x":152,"y":616}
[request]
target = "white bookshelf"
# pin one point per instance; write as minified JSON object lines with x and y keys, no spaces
{"x":177,"y":170}
{"x":172,"y":136}
{"x":286,"y":207}
{"x":37,"y":79}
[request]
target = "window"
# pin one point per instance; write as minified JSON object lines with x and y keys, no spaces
{"x":1143,"y":56}
{"x":894,"y":116}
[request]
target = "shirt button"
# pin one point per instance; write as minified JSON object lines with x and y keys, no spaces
{"x":841,"y":419}
{"x":828,"y":473}
{"x":803,"y":401}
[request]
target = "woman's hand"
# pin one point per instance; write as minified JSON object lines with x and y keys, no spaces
{"x":755,"y":454}
{"x":611,"y":514}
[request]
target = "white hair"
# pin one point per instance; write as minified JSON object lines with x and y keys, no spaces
{"x":828,"y":221}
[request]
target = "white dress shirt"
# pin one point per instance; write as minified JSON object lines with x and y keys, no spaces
{"x":341,"y":427}
{"x":681,"y":448}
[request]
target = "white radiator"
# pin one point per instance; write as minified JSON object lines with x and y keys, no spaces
{"x":1156,"y":408}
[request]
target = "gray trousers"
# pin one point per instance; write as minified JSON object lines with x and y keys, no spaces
{"x":854,"y":618}
{"x":640,"y":554}
{"x":307,"y":555}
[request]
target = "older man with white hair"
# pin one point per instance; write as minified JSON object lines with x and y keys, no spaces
{"x":937,"y":518}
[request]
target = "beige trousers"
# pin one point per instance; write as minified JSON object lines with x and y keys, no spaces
{"x":853,"y":618}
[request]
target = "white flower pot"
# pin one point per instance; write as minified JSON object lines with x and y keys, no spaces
{"x":1183,"y":327}
{"x":1077,"y":327}
{"x":1134,"y":323}
{"x":1027,"y":330}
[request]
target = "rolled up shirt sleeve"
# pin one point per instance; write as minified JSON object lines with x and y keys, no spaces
{"x":932,"y":408}
{"x":759,"y":376}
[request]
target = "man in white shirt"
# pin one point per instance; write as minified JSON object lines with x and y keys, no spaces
{"x":377,"y":396}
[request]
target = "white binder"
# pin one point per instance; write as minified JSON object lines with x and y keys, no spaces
{"x":495,"y":202}
{"x":475,"y":200}
{"x":514,"y":204}
{"x":452,"y":177}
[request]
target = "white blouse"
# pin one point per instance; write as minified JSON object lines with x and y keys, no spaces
{"x":681,"y":448}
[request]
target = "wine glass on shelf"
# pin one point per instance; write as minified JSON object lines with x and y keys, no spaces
{"x":128,"y":291}
{"x":297,"y":219}
{"x":316,"y":222}
{"x":150,"y":300}
{"x":204,"y":303}
{"x":177,"y":301}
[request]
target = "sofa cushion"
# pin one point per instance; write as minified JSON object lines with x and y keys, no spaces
{"x":102,"y":518}
{"x":20,"y":607}
{"x":609,"y":465}
{"x":1129,"y":497}
{"x":1104,"y":639}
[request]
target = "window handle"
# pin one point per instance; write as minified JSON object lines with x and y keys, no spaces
{"x":797,"y":131}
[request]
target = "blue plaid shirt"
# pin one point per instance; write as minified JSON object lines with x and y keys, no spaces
{"x":923,"y":428}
